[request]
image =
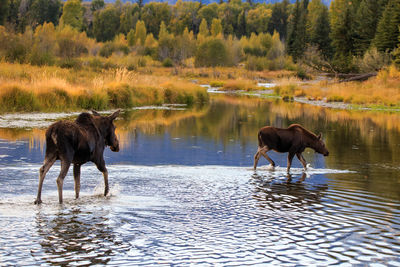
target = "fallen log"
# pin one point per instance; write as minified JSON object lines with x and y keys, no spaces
{"x":358,"y":77}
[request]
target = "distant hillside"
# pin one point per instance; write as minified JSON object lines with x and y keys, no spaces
{"x":326,"y":2}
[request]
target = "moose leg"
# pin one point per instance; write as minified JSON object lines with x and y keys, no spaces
{"x":261,"y":151}
{"x":77,"y":178}
{"x":60,"y":180}
{"x":256,"y":158}
{"x":289,"y":159}
{"x":48,"y":162}
{"x":265,"y":155}
{"x":302,"y":160}
{"x":102,"y":167}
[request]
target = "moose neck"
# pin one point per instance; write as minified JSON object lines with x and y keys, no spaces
{"x":310,"y":139}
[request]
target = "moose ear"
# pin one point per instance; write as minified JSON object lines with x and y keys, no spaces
{"x":95,"y":113}
{"x":319,"y":136}
{"x":114,"y":115}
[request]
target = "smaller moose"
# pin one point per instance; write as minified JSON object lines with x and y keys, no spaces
{"x":295,"y":139}
{"x":77,"y":143}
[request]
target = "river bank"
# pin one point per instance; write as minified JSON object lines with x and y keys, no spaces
{"x":26,"y":88}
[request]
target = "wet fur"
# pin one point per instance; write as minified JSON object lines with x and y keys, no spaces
{"x":77,"y":142}
{"x":295,"y":139}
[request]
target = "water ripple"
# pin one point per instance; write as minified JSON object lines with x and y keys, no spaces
{"x":201,"y":215}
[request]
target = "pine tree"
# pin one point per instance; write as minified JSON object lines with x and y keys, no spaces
{"x":366,"y":21}
{"x":297,"y":35}
{"x":318,"y":27}
{"x":342,"y":22}
{"x":4,"y":7}
{"x":387,"y":31}
{"x":279,"y":18}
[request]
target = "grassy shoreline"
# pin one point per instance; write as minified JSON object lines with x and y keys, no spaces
{"x":27,"y":88}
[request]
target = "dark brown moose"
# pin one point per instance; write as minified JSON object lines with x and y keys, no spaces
{"x":295,"y":139}
{"x":77,"y":143}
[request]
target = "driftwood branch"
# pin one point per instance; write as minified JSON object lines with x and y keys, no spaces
{"x":355,"y":77}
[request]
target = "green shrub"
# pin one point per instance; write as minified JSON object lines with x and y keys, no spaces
{"x":70,"y":63}
{"x":211,"y":53}
{"x":217,"y":83}
{"x":335,"y":98}
{"x":167,"y":63}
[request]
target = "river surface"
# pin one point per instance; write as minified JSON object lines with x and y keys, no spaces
{"x":183,"y":192}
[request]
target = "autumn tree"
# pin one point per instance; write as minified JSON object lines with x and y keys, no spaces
{"x":72,"y":14}
{"x":216,"y":27}
{"x":211,"y":53}
{"x":153,"y":14}
{"x":140,"y":32}
{"x":258,"y":19}
{"x":129,"y":17}
{"x":106,"y":23}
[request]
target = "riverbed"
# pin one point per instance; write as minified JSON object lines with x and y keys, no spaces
{"x":183,"y":191}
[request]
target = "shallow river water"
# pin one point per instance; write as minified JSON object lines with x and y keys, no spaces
{"x":183,"y":192}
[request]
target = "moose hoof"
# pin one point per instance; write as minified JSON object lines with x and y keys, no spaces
{"x":37,"y":202}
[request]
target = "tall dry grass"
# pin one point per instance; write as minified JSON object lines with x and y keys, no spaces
{"x":382,"y":90}
{"x":50,"y":88}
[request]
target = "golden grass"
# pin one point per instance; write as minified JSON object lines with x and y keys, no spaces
{"x":382,"y":90}
{"x":32,"y":88}
{"x":240,"y":84}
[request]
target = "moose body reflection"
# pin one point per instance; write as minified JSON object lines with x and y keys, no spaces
{"x":77,"y":143}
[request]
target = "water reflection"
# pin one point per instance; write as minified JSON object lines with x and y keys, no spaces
{"x":290,"y":192}
{"x":78,"y":236}
{"x":189,"y":194}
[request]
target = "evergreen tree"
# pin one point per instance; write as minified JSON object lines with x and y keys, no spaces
{"x":318,"y":27}
{"x":388,"y":27}
{"x":342,"y":36}
{"x":43,"y":11}
{"x":366,"y":21}
{"x":96,"y":5}
{"x":242,"y":28}
{"x":4,"y":7}
{"x":297,"y":35}
{"x":279,"y":19}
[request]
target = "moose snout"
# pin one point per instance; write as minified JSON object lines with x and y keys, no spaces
{"x":326,"y":154}
{"x":115,"y":148}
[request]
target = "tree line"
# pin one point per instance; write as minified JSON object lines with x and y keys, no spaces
{"x":348,"y":36}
